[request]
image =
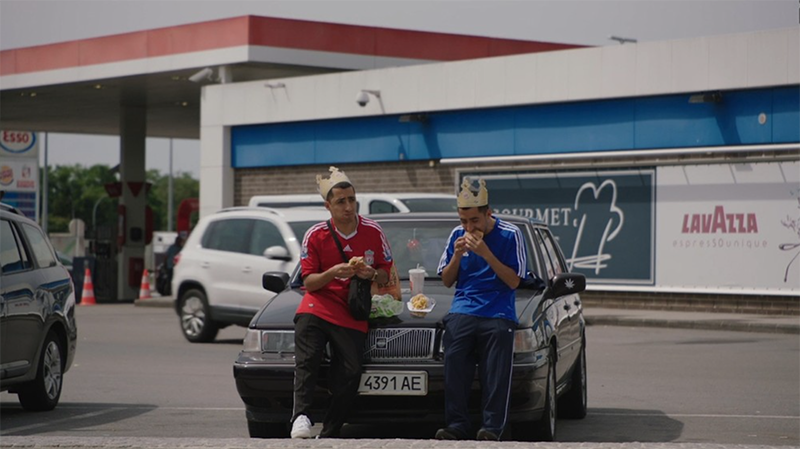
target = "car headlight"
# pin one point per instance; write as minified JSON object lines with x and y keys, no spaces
{"x":524,"y":341}
{"x":277,"y":342}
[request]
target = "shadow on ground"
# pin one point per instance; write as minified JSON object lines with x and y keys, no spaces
{"x":66,"y":417}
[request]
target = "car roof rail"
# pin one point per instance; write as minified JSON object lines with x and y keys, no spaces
{"x":252,"y":209}
{"x":9,"y":208}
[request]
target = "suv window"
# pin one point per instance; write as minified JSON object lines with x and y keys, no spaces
{"x":12,"y":255}
{"x":229,"y":235}
{"x":431,"y":204}
{"x":41,"y":249}
{"x":265,"y":234}
{"x":382,"y":207}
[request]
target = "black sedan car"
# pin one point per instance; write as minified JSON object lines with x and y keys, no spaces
{"x":403,"y":375}
{"x":37,"y":314}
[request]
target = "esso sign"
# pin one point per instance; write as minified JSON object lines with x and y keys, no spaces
{"x":17,"y":141}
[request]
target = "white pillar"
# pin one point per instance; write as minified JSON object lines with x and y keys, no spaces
{"x":216,"y":174}
{"x":133,"y":131}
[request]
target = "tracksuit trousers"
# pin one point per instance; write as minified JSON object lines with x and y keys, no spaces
{"x":489,"y":344}
{"x":347,"y":346}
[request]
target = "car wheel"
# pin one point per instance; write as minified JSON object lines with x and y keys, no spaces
{"x":545,"y":428}
{"x":573,"y":404}
{"x":267,"y":429}
{"x":196,"y":322}
{"x":43,"y":393}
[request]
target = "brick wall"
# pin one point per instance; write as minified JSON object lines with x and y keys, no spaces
{"x":385,"y":178}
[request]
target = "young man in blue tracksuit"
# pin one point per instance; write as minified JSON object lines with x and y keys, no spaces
{"x":486,"y":259}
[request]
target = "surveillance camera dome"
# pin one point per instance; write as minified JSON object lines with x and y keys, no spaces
{"x":362,"y":98}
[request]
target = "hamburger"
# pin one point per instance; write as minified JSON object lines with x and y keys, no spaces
{"x":357,"y":261}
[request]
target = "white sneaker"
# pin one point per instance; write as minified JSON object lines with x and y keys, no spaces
{"x":301,"y":427}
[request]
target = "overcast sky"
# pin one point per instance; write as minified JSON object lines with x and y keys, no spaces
{"x":25,"y":23}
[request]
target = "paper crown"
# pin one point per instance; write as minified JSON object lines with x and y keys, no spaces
{"x":468,"y":198}
{"x":326,"y":184}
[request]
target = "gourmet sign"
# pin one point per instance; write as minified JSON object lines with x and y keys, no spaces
{"x":603,"y":219}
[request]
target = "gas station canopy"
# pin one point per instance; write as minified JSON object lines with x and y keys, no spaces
{"x":79,"y":86}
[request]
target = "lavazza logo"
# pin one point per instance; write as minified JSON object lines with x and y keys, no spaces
{"x":720,"y":229}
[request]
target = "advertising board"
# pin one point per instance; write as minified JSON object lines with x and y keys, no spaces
{"x":729,"y":226}
{"x":603,"y":219}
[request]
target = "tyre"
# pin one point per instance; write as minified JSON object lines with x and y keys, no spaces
{"x":572,"y":404}
{"x":43,"y":393}
{"x":545,"y":428}
{"x":196,"y":323}
{"x":267,"y":429}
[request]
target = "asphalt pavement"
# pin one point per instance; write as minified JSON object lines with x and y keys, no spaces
{"x":595,"y":316}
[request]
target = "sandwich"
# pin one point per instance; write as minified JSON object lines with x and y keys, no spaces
{"x":357,"y":261}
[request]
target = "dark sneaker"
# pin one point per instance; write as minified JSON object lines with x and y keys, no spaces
{"x":484,"y":434}
{"x":449,"y":433}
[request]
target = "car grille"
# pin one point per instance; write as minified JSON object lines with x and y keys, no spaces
{"x":399,"y":344}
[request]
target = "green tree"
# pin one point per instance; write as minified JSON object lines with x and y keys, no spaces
{"x":74,"y":191}
{"x":183,"y":185}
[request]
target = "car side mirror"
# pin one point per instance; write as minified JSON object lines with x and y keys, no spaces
{"x":566,"y":284}
{"x":277,"y":253}
{"x":275,"y":281}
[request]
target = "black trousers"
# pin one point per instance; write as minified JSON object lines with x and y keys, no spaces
{"x":311,"y":334}
{"x":489,"y":344}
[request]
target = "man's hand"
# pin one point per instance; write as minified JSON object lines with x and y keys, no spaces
{"x":365,"y":271}
{"x":475,"y":244}
{"x":342,"y":270}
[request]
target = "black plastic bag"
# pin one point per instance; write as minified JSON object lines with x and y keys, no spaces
{"x":360,"y":298}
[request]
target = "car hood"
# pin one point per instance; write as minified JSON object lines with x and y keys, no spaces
{"x":279,"y":312}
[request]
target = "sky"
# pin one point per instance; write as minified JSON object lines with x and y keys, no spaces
{"x":25,"y":23}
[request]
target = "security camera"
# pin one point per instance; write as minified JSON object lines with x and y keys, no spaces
{"x":362,"y":98}
{"x":201,"y":75}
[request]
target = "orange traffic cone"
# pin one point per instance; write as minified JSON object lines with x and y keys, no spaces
{"x":87,"y":296}
{"x":144,"y":290}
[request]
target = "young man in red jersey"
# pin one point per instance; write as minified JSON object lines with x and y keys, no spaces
{"x":324,"y":315}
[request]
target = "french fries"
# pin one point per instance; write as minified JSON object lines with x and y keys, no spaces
{"x":419,"y":302}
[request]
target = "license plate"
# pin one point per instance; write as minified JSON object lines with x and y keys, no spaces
{"x":394,"y":383}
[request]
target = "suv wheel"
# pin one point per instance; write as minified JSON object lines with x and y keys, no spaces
{"x":43,"y":393}
{"x":196,"y":322}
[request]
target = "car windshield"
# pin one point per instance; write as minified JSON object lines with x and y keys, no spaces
{"x":430,"y":204}
{"x":419,"y":243}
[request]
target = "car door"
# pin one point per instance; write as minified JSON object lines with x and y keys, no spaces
{"x":21,"y":321}
{"x":265,"y":233}
{"x":224,"y":242}
{"x":570,"y":304}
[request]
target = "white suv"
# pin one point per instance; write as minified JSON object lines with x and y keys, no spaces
{"x":217,"y":276}
{"x":368,"y":203}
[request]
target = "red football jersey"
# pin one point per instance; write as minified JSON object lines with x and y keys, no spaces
{"x":319,"y":253}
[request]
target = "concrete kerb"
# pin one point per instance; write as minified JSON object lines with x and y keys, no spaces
{"x":44,"y":442}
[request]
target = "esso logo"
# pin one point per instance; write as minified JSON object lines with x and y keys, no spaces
{"x":17,"y":141}
{"x":6,"y":175}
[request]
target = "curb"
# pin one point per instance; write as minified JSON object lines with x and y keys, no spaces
{"x":738,"y":326}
